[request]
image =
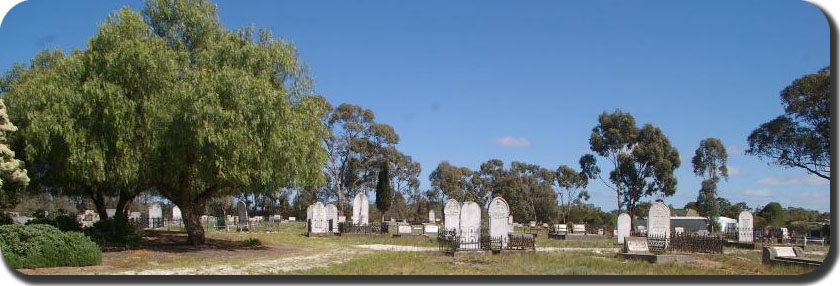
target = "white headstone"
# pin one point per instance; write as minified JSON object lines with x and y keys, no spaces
{"x":679,"y":230}
{"x":470,"y":224}
{"x":745,"y":227}
{"x":499,"y":213}
{"x":430,"y":229}
{"x":579,"y":228}
{"x":785,"y":251}
{"x":155,"y":213}
{"x":332,"y":216}
{"x":432,"y":215}
{"x":291,"y":218}
{"x":361,"y":209}
{"x":637,"y":245}
{"x":623,"y":227}
{"x":452,"y":216}
{"x":342,"y":218}
{"x":319,"y":218}
{"x":176,"y":213}
{"x":561,"y":228}
{"x":659,"y":220}
{"x":404,"y":229}
{"x":111,"y":212}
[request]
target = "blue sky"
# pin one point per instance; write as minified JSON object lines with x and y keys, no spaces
{"x":468,"y":81}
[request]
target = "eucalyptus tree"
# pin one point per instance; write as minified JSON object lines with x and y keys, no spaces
{"x":648,"y":170}
{"x":405,"y":177}
{"x":355,"y":145}
{"x":613,"y":137}
{"x":530,"y":192}
{"x":800,"y":138}
{"x":13,"y":177}
{"x":709,"y":162}
{"x":453,"y":182}
{"x":571,"y":189}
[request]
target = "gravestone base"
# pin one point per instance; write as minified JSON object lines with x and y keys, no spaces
{"x":320,"y":234}
{"x":657,"y":258}
{"x":572,"y":236}
{"x":741,"y":245}
{"x":560,"y":236}
{"x":467,"y":253}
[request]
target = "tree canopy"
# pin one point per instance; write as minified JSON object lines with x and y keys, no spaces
{"x":171,"y":100}
{"x":801,"y":137}
{"x":13,"y":177}
{"x":709,"y":162}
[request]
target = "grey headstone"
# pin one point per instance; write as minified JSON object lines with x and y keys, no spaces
{"x":432,"y":215}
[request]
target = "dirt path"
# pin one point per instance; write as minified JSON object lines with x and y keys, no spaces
{"x":389,"y":247}
{"x":266,"y":266}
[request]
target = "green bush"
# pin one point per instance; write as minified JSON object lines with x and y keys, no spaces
{"x":41,"y":245}
{"x":63,"y":222}
{"x":251,"y":242}
{"x":115,"y":232}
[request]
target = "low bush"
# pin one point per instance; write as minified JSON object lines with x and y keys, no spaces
{"x":115,"y":232}
{"x":251,"y":242}
{"x":62,"y":221}
{"x":41,"y":245}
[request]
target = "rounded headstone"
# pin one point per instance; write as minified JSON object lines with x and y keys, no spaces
{"x":470,"y":223}
{"x":499,"y":213}
{"x":745,"y":227}
{"x":452,"y":216}
{"x":623,"y":227}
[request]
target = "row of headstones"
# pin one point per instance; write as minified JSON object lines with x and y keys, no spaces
{"x":465,"y":220}
{"x":321,"y":218}
{"x":659,"y":224}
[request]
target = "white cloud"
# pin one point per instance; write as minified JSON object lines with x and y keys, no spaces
{"x":508,"y":141}
{"x":793,"y":180}
{"x":733,"y":171}
{"x":760,"y":193}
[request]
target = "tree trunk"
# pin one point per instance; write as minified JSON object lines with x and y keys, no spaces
{"x":192,"y":222}
{"x":123,"y":204}
{"x":99,"y":204}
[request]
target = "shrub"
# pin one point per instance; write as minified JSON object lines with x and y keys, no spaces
{"x":5,"y":218}
{"x":115,"y":232}
{"x":251,"y":242}
{"x":41,"y":245}
{"x":63,"y":222}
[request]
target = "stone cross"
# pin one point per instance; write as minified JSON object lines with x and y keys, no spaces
{"x":452,"y":216}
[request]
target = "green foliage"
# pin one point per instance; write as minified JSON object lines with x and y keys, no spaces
{"x":590,"y":214}
{"x":384,"y":192}
{"x":170,"y":100}
{"x":39,"y":245}
{"x":5,"y":218}
{"x":801,"y":138}
{"x":251,"y":242}
{"x":13,"y":176}
{"x":709,"y":162}
{"x":62,"y":221}
{"x":572,"y":187}
{"x":773,"y":214}
{"x":643,"y":160}
{"x":115,"y":232}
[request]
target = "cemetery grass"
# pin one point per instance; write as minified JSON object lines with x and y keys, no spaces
{"x":165,"y":252}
